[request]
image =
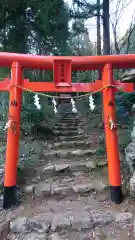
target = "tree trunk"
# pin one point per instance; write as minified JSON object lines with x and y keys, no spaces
{"x":106,"y":35}
{"x":98,"y":34}
{"x":98,"y":29}
{"x":106,"y":28}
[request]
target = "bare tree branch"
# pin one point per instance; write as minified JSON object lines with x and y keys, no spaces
{"x":115,"y":18}
{"x":87,"y":10}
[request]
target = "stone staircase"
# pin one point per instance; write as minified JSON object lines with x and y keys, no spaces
{"x":66,"y":194}
{"x":67,"y":170}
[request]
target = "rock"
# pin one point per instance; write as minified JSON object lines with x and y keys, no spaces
{"x":20,"y":225}
{"x":38,"y":225}
{"x":83,"y":152}
{"x":46,"y":217}
{"x":50,"y":146}
{"x":102,"y":218}
{"x":129,"y":76}
{"x":98,"y":233}
{"x":54,"y":236}
{"x":11,"y":215}
{"x":61,"y":220}
{"x":78,"y":167}
{"x":80,"y":131}
{"x":132,"y":185}
{"x":65,"y":132}
{"x":102,"y":164}
{"x":63,"y":191}
{"x":4,"y":229}
{"x":48,"y":170}
{"x":77,"y":174}
{"x":27,"y":225}
{"x":90,"y":165}
{"x":130,"y":156}
{"x":75,"y":220}
{"x":36,"y":179}
{"x":133,"y":108}
{"x":62,"y":138}
{"x":35,"y":236}
{"x":43,"y":189}
{"x":61,"y":167}
{"x":67,"y":179}
{"x":82,"y":188}
{"x":70,"y":152}
{"x":81,"y":220}
{"x":124,"y":217}
{"x":29,"y":189}
{"x":133,"y":133}
{"x":99,"y":185}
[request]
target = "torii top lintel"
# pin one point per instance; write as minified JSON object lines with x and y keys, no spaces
{"x":78,"y":62}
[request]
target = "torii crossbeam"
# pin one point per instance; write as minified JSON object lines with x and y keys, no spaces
{"x":62,"y":68}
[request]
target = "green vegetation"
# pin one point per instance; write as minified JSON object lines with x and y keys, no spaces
{"x":42,"y":27}
{"x":100,"y":151}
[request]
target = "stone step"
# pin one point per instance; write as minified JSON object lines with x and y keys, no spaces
{"x":68,"y":120}
{"x":77,"y":144}
{"x":71,"y":122}
{"x":60,"y":127}
{"x":68,"y":167}
{"x":71,"y":138}
{"x":70,"y":220}
{"x":66,"y":132}
{"x":66,"y":124}
{"x":67,"y":114}
{"x":68,"y":117}
{"x":63,"y":186}
{"x":65,"y":153}
{"x":48,"y":166}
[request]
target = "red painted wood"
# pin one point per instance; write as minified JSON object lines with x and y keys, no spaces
{"x":75,"y":87}
{"x":111,"y":134}
{"x":78,"y":62}
{"x":62,"y":73}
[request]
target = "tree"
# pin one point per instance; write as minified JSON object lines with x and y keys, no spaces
{"x":98,"y":34}
{"x":34,"y":26}
{"x":90,"y":10}
{"x":106,"y":28}
{"x":85,"y":9}
{"x":79,"y":44}
{"x":98,"y":29}
{"x":121,"y":44}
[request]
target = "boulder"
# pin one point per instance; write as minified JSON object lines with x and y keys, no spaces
{"x":130,"y":156}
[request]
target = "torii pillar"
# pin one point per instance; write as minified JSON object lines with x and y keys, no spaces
{"x":111,"y":135}
{"x":13,"y":135}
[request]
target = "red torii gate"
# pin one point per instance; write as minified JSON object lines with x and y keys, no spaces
{"x":62,"y":68}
